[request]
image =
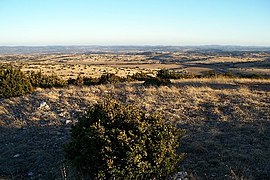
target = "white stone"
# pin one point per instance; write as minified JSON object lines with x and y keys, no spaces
{"x":16,"y":155}
{"x":43,"y":105}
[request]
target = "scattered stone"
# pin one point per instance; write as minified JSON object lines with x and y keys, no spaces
{"x":66,"y":121}
{"x":16,"y":155}
{"x":182,"y":175}
{"x":43,"y":105}
{"x":30,"y":174}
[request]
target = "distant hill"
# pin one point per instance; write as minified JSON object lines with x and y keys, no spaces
{"x":124,"y":49}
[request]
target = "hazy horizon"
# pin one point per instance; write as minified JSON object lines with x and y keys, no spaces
{"x":134,"y":23}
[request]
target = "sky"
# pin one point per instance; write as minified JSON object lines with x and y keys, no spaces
{"x":135,"y":22}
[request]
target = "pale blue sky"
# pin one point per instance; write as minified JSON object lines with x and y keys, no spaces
{"x":134,"y":22}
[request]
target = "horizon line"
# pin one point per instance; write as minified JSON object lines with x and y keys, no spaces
{"x":131,"y":45}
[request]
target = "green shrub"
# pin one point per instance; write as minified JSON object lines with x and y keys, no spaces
{"x":210,"y":73}
{"x":88,"y":81}
{"x":71,"y":81}
{"x":110,"y":79}
{"x":13,"y":82}
{"x":114,"y":140}
{"x":169,"y":74}
{"x":164,"y":74}
{"x":252,"y":76}
{"x":156,"y":81}
{"x":38,"y":79}
{"x":77,"y":82}
{"x":140,"y":76}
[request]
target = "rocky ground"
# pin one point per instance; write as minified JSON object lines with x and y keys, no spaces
{"x":227,"y":123}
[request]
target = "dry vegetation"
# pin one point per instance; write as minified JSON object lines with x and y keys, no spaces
{"x":227,"y":123}
{"x":123,"y":64}
{"x":227,"y":120}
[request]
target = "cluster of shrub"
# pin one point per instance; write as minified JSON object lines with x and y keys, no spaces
{"x":13,"y":82}
{"x":112,"y":140}
{"x":119,"y":141}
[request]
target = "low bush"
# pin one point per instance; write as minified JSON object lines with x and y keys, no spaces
{"x":110,"y":79}
{"x":170,"y":74}
{"x":210,"y":74}
{"x":13,"y":82}
{"x":252,"y":76}
{"x":117,"y":141}
{"x":77,"y":82}
{"x":38,"y":79}
{"x":140,"y":76}
{"x":156,"y":81}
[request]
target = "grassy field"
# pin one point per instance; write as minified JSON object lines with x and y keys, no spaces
{"x":226,"y":121}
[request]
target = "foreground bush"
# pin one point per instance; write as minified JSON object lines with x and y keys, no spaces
{"x":13,"y":82}
{"x":119,"y":141}
{"x":38,"y":79}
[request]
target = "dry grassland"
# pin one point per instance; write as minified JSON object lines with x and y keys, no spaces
{"x":227,"y":124}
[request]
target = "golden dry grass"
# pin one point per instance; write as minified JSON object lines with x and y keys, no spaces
{"x":227,"y":123}
{"x":186,"y":101}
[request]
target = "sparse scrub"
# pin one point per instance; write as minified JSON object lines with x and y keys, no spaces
{"x":140,"y":76}
{"x":13,"y":82}
{"x":251,"y":76}
{"x":80,"y":81}
{"x":77,"y":82}
{"x":170,"y":74}
{"x":38,"y":79}
{"x":110,"y":79}
{"x":88,"y":81}
{"x":156,"y":81}
{"x":114,"y":140}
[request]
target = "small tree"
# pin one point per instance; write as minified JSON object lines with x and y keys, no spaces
{"x":13,"y":82}
{"x":110,"y":79}
{"x":114,"y":140}
{"x":38,"y":79}
{"x":157,"y":81}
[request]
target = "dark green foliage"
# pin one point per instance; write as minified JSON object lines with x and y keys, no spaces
{"x":77,"y":82}
{"x":104,"y":79}
{"x":114,"y":140}
{"x":166,"y":74}
{"x":211,"y":73}
{"x":169,"y":74}
{"x":140,"y":76}
{"x":156,"y":81}
{"x":71,"y":81}
{"x":251,"y":76}
{"x":229,"y":74}
{"x":44,"y":81}
{"x":88,"y":81}
{"x":13,"y":82}
{"x":110,"y":79}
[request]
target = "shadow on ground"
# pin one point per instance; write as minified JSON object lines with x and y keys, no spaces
{"x":32,"y":152}
{"x":222,"y":86}
{"x":227,"y":150}
{"x":215,"y":150}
